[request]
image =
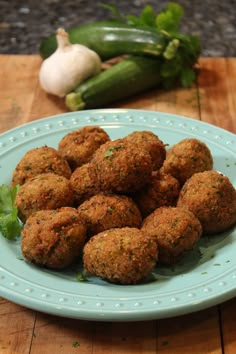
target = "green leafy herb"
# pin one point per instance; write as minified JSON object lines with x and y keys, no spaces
{"x":147,"y":18}
{"x":165,"y":342}
{"x":81,"y":276}
{"x":169,"y":19}
{"x":187,"y":77}
{"x":110,"y":209}
{"x":115,"y":12}
{"x":76,"y":344}
{"x":183,"y":50}
{"x":20,"y":258}
{"x":10,"y":226}
{"x":110,"y":151}
{"x":154,"y":277}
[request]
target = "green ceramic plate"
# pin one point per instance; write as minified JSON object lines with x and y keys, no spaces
{"x":206,"y":277}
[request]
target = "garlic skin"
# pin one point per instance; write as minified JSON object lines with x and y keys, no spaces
{"x":68,"y":66}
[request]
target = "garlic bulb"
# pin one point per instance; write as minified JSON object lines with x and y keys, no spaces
{"x":68,"y":66}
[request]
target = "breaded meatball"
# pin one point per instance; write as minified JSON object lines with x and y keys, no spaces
{"x":123,"y":255}
{"x":78,"y":146}
{"x":44,"y":191}
{"x":175,"y":230}
{"x":53,"y":238}
{"x":187,"y":157}
{"x":102,"y":212}
{"x":121,"y":167}
{"x":212,"y":198}
{"x":83,"y":184}
{"x":151,"y":142}
{"x":40,"y":160}
{"x":162,"y":190}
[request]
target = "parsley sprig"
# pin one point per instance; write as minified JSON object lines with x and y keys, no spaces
{"x":109,"y":152}
{"x":181,"y":54}
{"x":10,"y":225}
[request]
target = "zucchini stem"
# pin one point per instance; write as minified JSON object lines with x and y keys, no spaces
{"x":74,"y":101}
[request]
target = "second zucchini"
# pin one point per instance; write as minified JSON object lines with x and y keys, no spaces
{"x":131,"y":76}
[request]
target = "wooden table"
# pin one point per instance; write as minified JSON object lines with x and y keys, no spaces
{"x":212,"y":100}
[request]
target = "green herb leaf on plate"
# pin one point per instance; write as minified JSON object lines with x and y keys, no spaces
{"x":10,"y":225}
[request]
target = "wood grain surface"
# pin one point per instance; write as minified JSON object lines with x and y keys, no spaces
{"x":212,"y":99}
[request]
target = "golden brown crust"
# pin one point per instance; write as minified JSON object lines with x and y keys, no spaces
{"x":187,"y":157}
{"x":153,"y":145}
{"x":175,"y":230}
{"x":83,"y":184}
{"x":45,"y":191}
{"x":124,"y":255}
{"x":162,"y":190}
{"x":53,"y":238}
{"x":121,"y":167}
{"x":78,"y":146}
{"x":102,"y":212}
{"x":40,"y":160}
{"x":212,"y":198}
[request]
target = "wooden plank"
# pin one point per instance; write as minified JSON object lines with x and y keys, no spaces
{"x":217,"y":91}
{"x":228,"y":317}
{"x":197,"y":333}
{"x":61,"y":335}
{"x":92,"y":337}
{"x":131,"y":337}
{"x":16,"y":328}
{"x":146,"y":101}
{"x":22,"y":98}
{"x":19,"y":76}
{"x":231,"y":75}
{"x":45,"y":105}
{"x":179,"y":101}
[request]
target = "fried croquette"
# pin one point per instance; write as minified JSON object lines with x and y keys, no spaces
{"x":187,"y":157}
{"x":121,"y":167}
{"x":102,"y":212}
{"x":83,"y":184}
{"x":211,"y":197}
{"x":78,"y":146}
{"x":151,"y":142}
{"x":123,"y":255}
{"x":162,"y":190}
{"x":44,"y":191}
{"x":53,"y":238}
{"x":40,"y":160}
{"x":175,"y":230}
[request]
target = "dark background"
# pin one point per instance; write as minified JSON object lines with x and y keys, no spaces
{"x":24,"y":23}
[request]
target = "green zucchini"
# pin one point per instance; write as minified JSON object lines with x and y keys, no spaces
{"x":130,"y":76}
{"x":110,"y":39}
